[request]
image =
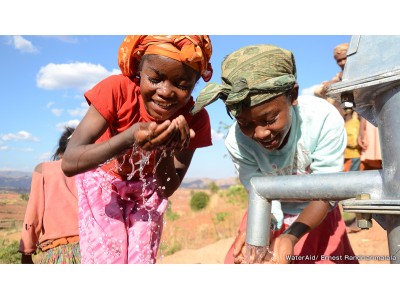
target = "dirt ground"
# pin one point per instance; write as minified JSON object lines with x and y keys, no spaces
{"x":371,"y":242}
{"x":201,"y":238}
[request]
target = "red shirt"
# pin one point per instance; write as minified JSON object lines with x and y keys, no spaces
{"x":117,"y":98}
{"x":52,"y":210}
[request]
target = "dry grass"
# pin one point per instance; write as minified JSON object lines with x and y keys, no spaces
{"x":193,"y":230}
{"x":12,"y":211}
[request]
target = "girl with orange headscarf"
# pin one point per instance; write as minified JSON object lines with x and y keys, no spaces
{"x":133,"y":147}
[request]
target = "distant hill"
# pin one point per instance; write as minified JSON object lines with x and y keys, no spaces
{"x":20,"y":182}
{"x":204,"y":183}
{"x":15,"y":181}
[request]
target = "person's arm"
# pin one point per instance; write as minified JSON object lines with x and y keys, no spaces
{"x":82,"y":154}
{"x":312,"y":215}
{"x":247,"y":168}
{"x":362,"y":137}
{"x":26,"y":259}
{"x":171,"y":169}
{"x":33,"y":219}
{"x":327,"y":157}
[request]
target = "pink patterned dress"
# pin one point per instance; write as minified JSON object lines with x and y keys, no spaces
{"x":120,"y":221}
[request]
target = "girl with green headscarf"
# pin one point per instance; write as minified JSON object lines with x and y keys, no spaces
{"x":279,"y":133}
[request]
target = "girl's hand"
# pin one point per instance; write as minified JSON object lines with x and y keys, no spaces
{"x":182,"y":135}
{"x":150,"y":136}
{"x":282,"y":248}
{"x":174,"y":134}
{"x":239,"y":248}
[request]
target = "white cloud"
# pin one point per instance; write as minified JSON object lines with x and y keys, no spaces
{"x":21,"y":135}
{"x":216,"y":136}
{"x":4,"y":148}
{"x":22,"y":44}
{"x":50,"y":104}
{"x":80,"y":111}
{"x":45,"y":156}
{"x":57,"y":111}
{"x":78,"y":75}
{"x":70,"y":123}
{"x":309,"y":91}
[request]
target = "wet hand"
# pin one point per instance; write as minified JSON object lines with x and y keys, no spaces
{"x":239,"y":248}
{"x":149,"y":136}
{"x":281,"y":249}
{"x":182,"y":134}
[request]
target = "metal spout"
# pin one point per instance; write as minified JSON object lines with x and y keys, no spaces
{"x":327,"y":186}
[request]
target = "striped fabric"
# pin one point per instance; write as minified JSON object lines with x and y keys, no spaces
{"x":63,"y":254}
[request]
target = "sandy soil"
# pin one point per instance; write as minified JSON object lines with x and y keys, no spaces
{"x":371,"y":242}
{"x":200,"y":231}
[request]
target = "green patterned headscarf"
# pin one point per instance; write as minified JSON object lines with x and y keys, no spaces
{"x":250,"y":76}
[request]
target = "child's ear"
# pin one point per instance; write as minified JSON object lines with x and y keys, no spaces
{"x":294,"y":94}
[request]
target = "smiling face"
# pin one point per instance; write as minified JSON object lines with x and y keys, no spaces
{"x":166,"y":85}
{"x":269,"y":123}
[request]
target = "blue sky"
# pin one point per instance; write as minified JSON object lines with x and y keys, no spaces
{"x":43,"y":79}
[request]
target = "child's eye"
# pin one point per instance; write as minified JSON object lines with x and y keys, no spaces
{"x":268,"y":122}
{"x":182,"y":87}
{"x":154,"y":80}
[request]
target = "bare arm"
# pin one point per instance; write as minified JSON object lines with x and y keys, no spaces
{"x":362,"y":137}
{"x":82,"y":154}
{"x":172,"y":169}
{"x":312,"y":215}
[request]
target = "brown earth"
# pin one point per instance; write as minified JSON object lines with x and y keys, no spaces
{"x":197,"y":237}
{"x":370,"y":242}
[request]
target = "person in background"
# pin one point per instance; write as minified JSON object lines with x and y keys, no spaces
{"x":340,"y":56}
{"x":51,"y":217}
{"x":352,"y":154}
{"x":133,"y":147}
{"x":371,"y":158}
{"x":279,"y":133}
{"x":352,"y":119}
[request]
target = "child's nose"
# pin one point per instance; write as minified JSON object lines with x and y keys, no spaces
{"x":165,"y":90}
{"x":261,"y":133}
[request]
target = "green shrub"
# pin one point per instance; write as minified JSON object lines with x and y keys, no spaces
{"x":9,"y":252}
{"x":237,"y":194}
{"x":199,"y":201}
{"x":214,"y":188}
{"x":171,"y":216}
{"x":24,"y":197}
{"x":166,"y":249}
{"x":220,"y":217}
{"x":174,"y":248}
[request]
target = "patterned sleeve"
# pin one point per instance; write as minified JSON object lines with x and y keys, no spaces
{"x":32,"y":226}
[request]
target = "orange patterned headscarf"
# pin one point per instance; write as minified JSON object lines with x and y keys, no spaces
{"x":192,"y":50}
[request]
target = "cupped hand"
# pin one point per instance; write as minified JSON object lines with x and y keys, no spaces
{"x":150,"y":135}
{"x":180,"y":140}
{"x":282,"y":249}
{"x":174,"y":134}
{"x":239,"y":247}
